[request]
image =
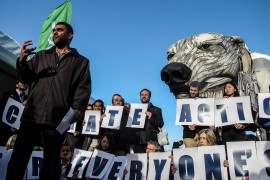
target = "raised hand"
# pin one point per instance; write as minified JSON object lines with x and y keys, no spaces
{"x":26,"y":51}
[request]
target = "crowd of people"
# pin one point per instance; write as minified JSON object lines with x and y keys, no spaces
{"x":56,"y":89}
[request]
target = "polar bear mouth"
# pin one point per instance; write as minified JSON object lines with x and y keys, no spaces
{"x":210,"y":87}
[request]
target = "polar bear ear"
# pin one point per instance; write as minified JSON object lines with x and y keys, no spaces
{"x":244,"y":54}
{"x":246,"y":60}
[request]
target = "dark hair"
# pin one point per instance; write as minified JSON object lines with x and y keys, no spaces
{"x":119,"y":96}
{"x":146,"y":90}
{"x":68,"y":26}
{"x":99,"y":101}
{"x":102,"y":105}
{"x":195,"y":84}
{"x":236,"y":94}
{"x":177,"y":144}
{"x":112,"y":147}
{"x":66,"y":143}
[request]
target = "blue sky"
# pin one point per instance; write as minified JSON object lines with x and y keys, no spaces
{"x":127,"y":40}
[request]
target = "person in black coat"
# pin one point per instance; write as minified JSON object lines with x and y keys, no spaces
{"x":153,"y":122}
{"x":62,"y":81}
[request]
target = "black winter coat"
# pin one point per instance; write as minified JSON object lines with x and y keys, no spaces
{"x":59,"y":83}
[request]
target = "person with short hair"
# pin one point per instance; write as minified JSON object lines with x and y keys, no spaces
{"x":62,"y":81}
{"x":190,"y":132}
{"x":153,"y":146}
{"x":153,"y":122}
{"x":65,"y":158}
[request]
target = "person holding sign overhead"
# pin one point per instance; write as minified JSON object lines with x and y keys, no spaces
{"x":62,"y":88}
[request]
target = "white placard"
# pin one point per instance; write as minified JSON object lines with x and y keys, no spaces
{"x":12,"y":113}
{"x":116,"y":170}
{"x":65,"y":123}
{"x":233,"y":110}
{"x":136,"y":166}
{"x":242,"y":160}
{"x":79,"y":161}
{"x":99,"y":164}
{"x":92,"y":122}
{"x":212,"y":162}
{"x":4,"y":162}
{"x":264,"y":105}
{"x":112,"y":119}
{"x":34,"y":165}
{"x":263,"y":154}
{"x":188,"y":163}
{"x":136,"y":117}
{"x":159,"y":165}
{"x":72,"y":127}
{"x":198,"y":111}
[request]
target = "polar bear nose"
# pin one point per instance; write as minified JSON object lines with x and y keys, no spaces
{"x":175,"y":73}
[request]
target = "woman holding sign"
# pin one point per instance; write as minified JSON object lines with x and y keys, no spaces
{"x":207,"y":137}
{"x":234,"y":132}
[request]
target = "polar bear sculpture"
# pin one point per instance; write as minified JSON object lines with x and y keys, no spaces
{"x":212,"y":59}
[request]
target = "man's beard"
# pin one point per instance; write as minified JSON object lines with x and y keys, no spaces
{"x":145,"y":101}
{"x":22,"y":89}
{"x":60,"y":41}
{"x":194,"y":95}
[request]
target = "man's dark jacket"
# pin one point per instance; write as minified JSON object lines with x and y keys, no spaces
{"x":59,"y":83}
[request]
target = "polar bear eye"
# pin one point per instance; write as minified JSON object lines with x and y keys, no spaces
{"x":204,"y":46}
{"x":213,"y":47}
{"x":170,"y":56}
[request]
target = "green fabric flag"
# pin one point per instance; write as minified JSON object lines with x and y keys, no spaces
{"x":60,"y":14}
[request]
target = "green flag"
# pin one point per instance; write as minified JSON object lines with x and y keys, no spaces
{"x":60,"y":14}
